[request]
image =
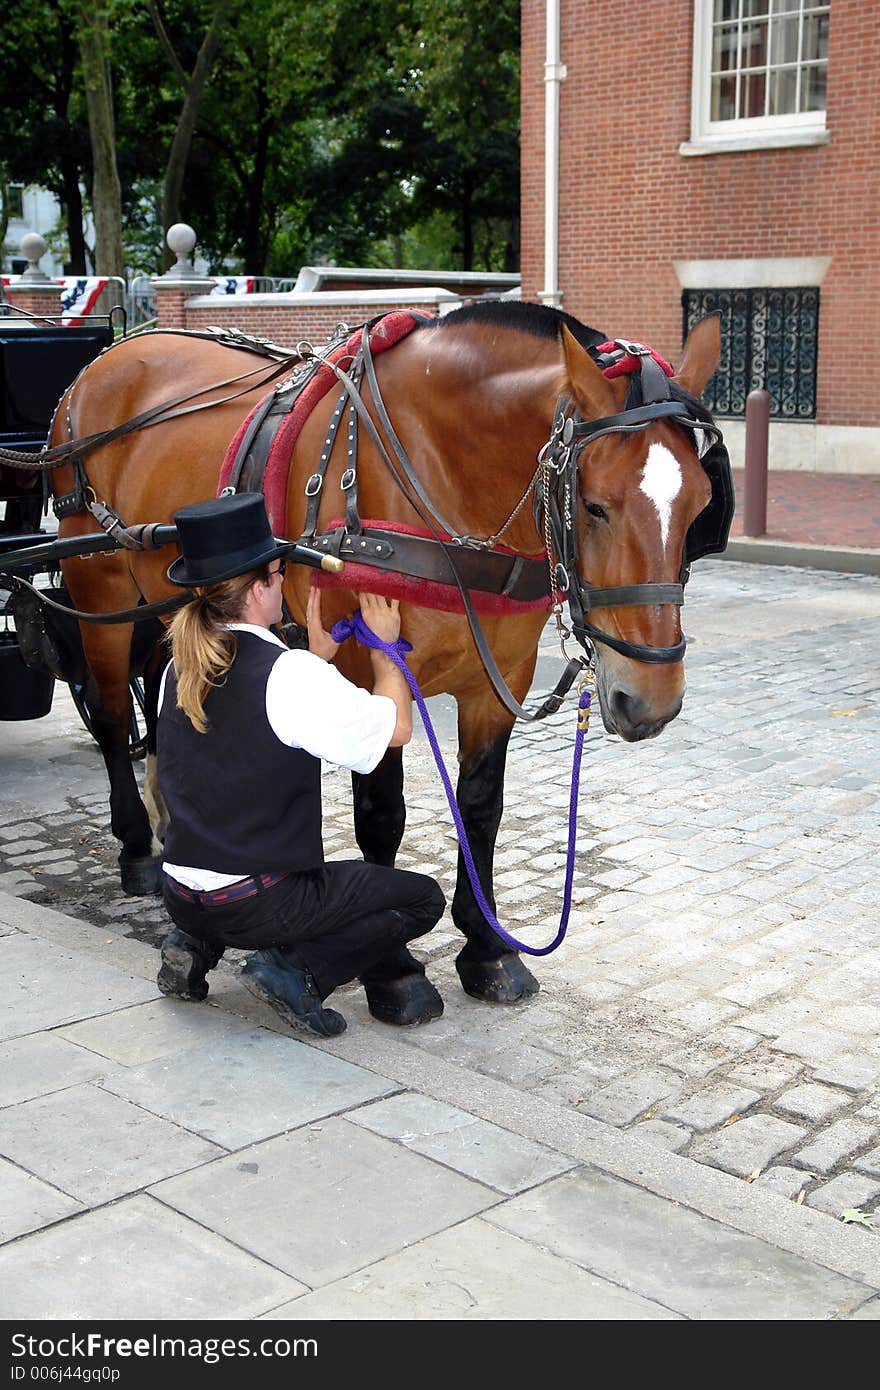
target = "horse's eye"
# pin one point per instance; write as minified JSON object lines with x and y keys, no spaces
{"x":595,"y":510}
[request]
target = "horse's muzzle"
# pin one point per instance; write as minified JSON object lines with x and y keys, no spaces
{"x":628,"y":715}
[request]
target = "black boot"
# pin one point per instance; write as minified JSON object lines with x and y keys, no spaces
{"x":291,"y":992}
{"x":186,"y":961}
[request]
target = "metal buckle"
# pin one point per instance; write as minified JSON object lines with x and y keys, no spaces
{"x":314,"y":485}
{"x":348,"y":479}
{"x":471,"y":542}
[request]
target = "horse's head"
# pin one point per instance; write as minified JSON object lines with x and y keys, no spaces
{"x":640,"y":487}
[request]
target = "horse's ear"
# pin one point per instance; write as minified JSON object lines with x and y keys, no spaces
{"x":702,"y":351}
{"x":594,"y":394}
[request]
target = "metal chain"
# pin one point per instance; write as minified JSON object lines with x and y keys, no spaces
{"x":496,"y":536}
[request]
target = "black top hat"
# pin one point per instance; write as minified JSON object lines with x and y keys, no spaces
{"x":222,"y":538}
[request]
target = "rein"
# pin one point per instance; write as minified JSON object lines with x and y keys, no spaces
{"x":357,"y":628}
{"x":160,"y":414}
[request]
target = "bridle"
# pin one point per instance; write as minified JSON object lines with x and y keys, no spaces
{"x":649,"y":399}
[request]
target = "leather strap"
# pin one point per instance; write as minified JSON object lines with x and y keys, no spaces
{"x":123,"y":615}
{"x":518,"y":577}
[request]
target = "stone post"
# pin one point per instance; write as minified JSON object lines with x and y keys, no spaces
{"x":179,"y":283}
{"x":33,"y":291}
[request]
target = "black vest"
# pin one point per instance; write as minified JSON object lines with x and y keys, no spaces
{"x":239,"y":800}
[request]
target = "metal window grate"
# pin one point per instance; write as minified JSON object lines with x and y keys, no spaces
{"x":769,"y":338}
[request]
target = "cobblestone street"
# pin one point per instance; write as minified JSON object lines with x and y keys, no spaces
{"x":719,"y":990}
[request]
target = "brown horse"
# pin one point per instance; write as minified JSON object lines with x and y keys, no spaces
{"x":473,"y":399}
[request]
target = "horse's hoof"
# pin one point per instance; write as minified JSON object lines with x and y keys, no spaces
{"x":502,"y":981}
{"x":141,"y":878}
{"x":405,"y":1002}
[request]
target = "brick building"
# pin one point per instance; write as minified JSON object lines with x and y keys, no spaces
{"x":718,"y":154}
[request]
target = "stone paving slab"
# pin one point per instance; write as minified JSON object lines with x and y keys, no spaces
{"x":30,"y":1000}
{"x":664,"y":1252}
{"x":473,"y":1273}
{"x":42,"y":1062}
{"x":325,"y":1200}
{"x":479,"y":1150}
{"x":117,"y":1147}
{"x":249,"y":1086}
{"x":26,"y":1204}
{"x":135,"y":1260}
{"x":144,"y":1032}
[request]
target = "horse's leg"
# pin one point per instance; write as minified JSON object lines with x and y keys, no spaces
{"x":488,"y":968}
{"x":396,"y":986}
{"x":108,"y":698}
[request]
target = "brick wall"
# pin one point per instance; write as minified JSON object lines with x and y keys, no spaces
{"x":288,"y":319}
{"x":631,"y":205}
{"x":285,"y":324}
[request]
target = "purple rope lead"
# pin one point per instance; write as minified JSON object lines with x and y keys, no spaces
{"x":357,"y":628}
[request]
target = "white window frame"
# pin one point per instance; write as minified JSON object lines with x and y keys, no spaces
{"x":749,"y":133}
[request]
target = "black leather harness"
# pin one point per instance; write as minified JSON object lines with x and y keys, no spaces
{"x":651,"y":397}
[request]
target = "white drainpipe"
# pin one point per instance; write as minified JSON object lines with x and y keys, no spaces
{"x":554,"y":74}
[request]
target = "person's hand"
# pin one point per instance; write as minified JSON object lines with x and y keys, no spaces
{"x":320,"y":642}
{"x":381,"y":615}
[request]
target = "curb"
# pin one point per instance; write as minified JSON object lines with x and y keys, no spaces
{"x":764,"y":550}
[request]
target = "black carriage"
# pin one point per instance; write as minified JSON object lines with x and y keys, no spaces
{"x":38,"y":361}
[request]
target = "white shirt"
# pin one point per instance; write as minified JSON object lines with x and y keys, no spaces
{"x":309,"y":705}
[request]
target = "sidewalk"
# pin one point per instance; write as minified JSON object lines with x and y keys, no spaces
{"x":819,"y":520}
{"x":158,"y":1155}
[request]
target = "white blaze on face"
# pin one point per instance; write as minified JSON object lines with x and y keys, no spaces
{"x":661,"y":482}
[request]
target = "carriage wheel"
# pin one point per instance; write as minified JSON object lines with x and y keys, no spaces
{"x":137,"y":733}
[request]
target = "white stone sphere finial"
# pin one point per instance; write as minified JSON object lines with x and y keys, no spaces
{"x":32,"y":247}
{"x":181,"y":239}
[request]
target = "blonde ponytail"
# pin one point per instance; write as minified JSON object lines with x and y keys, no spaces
{"x":202,"y":646}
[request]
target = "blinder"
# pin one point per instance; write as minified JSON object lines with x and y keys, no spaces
{"x":708,"y":533}
{"x":651,"y":397}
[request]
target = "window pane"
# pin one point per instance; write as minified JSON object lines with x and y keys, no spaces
{"x":815,"y":37}
{"x":753,"y":87}
{"x":754,"y":45}
{"x":724,"y":42}
{"x":755,"y":8}
{"x":783,"y":92}
{"x":726,"y":10}
{"x":724,"y":99}
{"x":813,"y":85}
{"x":784,"y":40}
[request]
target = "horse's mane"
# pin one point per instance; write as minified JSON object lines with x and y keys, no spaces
{"x":542,"y":321}
{"x":538,"y":319}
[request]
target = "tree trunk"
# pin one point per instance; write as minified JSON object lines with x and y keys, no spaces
{"x":254,"y":245}
{"x":94,"y":42}
{"x":467,"y":226}
{"x":69,"y":192}
{"x":72,"y":200}
{"x":193,"y":86}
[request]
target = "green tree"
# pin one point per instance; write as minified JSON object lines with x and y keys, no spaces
{"x":461,"y":69}
{"x":43,"y":129}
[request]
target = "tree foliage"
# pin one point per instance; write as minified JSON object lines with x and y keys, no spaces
{"x":347,"y":130}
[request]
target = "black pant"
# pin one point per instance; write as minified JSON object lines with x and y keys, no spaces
{"x":341,"y":922}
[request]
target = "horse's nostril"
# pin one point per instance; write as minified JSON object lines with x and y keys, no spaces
{"x":628,"y":710}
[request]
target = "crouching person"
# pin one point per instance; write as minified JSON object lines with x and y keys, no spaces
{"x":244,"y":723}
